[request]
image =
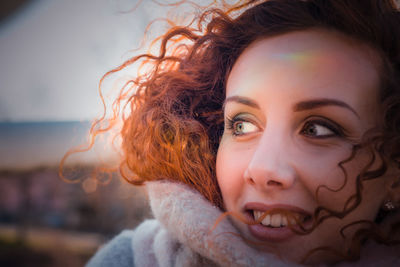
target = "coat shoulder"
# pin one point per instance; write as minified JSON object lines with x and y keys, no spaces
{"x":117,"y":252}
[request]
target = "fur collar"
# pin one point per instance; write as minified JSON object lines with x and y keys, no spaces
{"x":180,"y":235}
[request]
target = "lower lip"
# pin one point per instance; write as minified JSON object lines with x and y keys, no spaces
{"x":265,"y":233}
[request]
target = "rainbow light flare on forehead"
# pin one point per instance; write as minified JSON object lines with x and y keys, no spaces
{"x":306,"y":59}
{"x":279,"y":65}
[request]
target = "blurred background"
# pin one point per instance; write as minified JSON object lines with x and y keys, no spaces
{"x":52,"y":55}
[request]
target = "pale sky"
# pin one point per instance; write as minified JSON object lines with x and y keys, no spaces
{"x":53,"y":53}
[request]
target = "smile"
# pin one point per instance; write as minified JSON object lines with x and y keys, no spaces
{"x":276,"y":222}
{"x":279,"y":220}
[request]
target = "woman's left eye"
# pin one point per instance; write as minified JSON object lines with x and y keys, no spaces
{"x":319,"y":129}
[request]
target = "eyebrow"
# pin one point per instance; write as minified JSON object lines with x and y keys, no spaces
{"x":316,"y":103}
{"x":242,"y":100}
{"x":301,"y":106}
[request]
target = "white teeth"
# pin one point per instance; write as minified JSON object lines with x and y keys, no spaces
{"x":257,"y":214}
{"x":267,"y":220}
{"x":276,"y":220}
{"x":295,"y":218}
{"x":284,"y":221}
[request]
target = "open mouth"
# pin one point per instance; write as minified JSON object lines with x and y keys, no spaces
{"x":277,"y":219}
{"x":276,"y":223}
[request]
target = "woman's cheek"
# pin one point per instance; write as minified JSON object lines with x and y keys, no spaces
{"x":321,"y":175}
{"x":230,"y":167}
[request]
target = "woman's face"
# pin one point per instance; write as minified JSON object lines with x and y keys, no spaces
{"x":295,"y":105}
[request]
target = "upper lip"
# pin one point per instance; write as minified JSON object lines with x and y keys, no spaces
{"x":263,"y":207}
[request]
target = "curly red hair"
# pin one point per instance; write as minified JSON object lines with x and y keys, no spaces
{"x":175,"y":118}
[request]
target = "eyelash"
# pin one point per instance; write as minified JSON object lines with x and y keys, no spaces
{"x":230,"y":124}
{"x":332,"y":126}
{"x":336,"y":129}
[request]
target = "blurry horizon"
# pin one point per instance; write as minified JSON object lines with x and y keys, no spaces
{"x":52,"y":55}
{"x":29,"y":145}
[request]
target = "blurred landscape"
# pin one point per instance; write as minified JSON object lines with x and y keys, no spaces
{"x":45,"y":221}
{"x":52,"y":56}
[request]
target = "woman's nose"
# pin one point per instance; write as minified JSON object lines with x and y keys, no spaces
{"x":271,"y":166}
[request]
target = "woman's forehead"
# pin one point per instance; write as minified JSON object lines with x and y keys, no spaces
{"x":310,"y":49}
{"x":306,"y":63}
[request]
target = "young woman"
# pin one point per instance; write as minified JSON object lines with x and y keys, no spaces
{"x":270,"y":139}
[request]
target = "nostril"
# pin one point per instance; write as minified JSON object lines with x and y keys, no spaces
{"x":273,"y":183}
{"x":248,"y":178}
{"x":251,"y":181}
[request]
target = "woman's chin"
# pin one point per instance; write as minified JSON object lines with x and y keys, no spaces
{"x":296,"y":249}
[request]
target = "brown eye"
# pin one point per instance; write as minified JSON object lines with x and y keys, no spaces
{"x":316,"y":129}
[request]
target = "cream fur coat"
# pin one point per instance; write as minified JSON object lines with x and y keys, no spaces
{"x":180,"y":236}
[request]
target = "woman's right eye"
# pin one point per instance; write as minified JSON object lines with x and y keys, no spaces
{"x":241,"y":127}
